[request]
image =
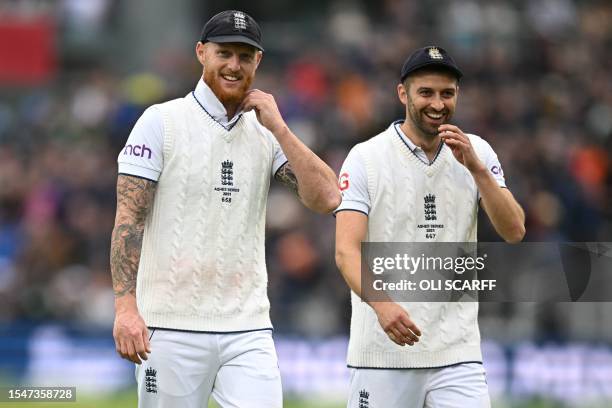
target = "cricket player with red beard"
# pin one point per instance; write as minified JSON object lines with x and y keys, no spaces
{"x":187,"y":251}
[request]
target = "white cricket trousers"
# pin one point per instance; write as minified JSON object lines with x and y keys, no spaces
{"x":239,"y":370}
{"x":458,"y":386}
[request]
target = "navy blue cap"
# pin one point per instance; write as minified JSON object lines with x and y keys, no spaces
{"x":429,"y":56}
{"x":232,"y":26}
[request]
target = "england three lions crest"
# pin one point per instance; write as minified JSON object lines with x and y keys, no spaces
{"x":227,"y":187}
{"x":430,"y":222}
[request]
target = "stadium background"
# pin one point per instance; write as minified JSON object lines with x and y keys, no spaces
{"x":76,"y":74}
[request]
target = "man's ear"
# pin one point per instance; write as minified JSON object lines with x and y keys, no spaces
{"x":402,"y":93}
{"x":200,"y":50}
{"x":258,"y":57}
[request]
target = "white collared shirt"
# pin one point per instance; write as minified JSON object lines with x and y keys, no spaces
{"x":213,"y":106}
{"x":142,"y":155}
{"x":420,"y":153}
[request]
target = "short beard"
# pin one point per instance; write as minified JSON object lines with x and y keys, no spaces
{"x":417,"y":120}
{"x":227,"y":99}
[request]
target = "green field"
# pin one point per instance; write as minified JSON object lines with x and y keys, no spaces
{"x":128,"y":399}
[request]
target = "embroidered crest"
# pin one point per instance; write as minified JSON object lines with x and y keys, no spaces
{"x":430,"y":207}
{"x":227,"y":187}
{"x":239,"y":21}
{"x":434,"y":53}
{"x":151,"y":380}
{"x":227,"y":173}
{"x":364,"y":401}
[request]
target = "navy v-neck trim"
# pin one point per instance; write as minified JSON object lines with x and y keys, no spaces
{"x":227,"y":128}
{"x":440,"y":145}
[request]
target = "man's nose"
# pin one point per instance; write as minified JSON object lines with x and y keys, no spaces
{"x":234,"y":63}
{"x":437,"y":103}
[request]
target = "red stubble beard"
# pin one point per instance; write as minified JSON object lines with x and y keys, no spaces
{"x":227,"y":97}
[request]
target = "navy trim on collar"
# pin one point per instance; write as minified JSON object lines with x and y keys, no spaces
{"x":440,"y":145}
{"x":211,"y":116}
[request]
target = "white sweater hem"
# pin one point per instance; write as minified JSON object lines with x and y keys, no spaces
{"x":432,"y":359}
{"x":207,"y":324}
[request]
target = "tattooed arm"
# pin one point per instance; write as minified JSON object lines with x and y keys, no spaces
{"x":134,"y":199}
{"x":286,"y":176}
{"x":318,"y":189}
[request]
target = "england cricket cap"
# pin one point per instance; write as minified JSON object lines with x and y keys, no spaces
{"x":429,"y":56}
{"x":232,"y":26}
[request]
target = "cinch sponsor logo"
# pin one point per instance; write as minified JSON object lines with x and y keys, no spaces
{"x":137,"y":150}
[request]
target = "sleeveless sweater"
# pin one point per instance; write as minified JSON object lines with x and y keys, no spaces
{"x":202,"y":264}
{"x":398,"y":184}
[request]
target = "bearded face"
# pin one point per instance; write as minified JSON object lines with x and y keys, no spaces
{"x":427,"y":120}
{"x":229,"y":86}
{"x":229,"y":70}
{"x":430,"y":99}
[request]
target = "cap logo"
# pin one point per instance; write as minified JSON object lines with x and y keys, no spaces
{"x":239,"y":21}
{"x":434,"y":53}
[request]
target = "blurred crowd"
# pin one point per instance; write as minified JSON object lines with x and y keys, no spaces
{"x":537,"y":86}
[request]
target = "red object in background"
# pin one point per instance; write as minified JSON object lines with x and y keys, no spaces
{"x":307,"y":79}
{"x":589,"y":165}
{"x":28,"y":53}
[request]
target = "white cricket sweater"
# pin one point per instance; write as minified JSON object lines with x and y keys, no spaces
{"x":398,"y":183}
{"x":202,"y":265}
